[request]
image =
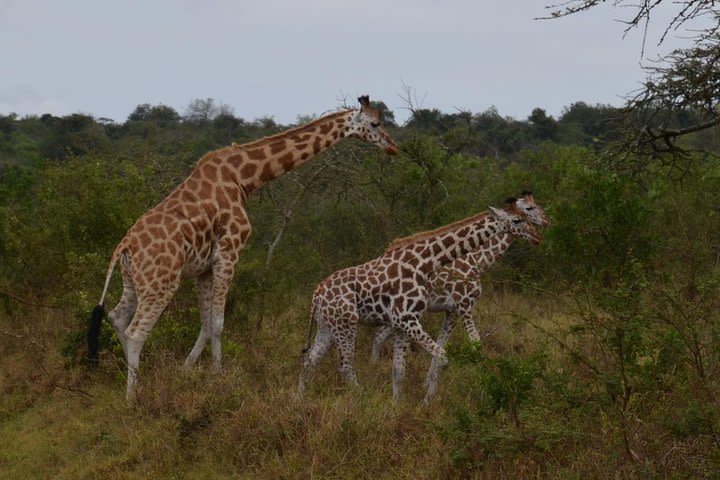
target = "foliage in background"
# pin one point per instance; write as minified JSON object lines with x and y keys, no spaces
{"x":622,"y":296}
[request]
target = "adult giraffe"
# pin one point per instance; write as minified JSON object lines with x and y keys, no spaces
{"x":200,"y":228}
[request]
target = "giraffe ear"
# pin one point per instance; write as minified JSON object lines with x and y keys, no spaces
{"x":364,"y":100}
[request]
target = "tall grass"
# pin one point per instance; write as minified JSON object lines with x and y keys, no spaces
{"x":58,"y":420}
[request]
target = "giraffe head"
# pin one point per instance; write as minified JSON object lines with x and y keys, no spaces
{"x":365,"y":124}
{"x":513,"y":221}
{"x":533,"y":211}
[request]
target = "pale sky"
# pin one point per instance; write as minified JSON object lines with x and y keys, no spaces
{"x":284,"y":58}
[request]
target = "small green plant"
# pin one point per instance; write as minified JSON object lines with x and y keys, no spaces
{"x":692,"y":419}
{"x":503,"y":383}
{"x":508,"y":383}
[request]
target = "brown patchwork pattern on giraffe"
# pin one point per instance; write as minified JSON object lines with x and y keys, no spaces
{"x":455,"y":288}
{"x":391,"y":290}
{"x":199,"y":230}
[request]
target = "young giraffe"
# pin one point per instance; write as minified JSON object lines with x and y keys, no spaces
{"x":456,"y":288}
{"x":200,"y":228}
{"x":390,"y":290}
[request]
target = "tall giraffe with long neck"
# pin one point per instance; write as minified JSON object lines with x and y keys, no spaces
{"x":391,"y":290}
{"x":199,"y":230}
{"x":455,"y":288}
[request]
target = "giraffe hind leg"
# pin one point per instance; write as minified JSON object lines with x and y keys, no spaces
{"x":120,"y":316}
{"x":204,"y":290}
{"x":150,"y":306}
{"x":345,"y":342}
{"x":322,"y":343}
{"x":382,"y":335}
{"x":401,"y":344}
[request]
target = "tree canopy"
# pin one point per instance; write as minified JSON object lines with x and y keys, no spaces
{"x":663,"y":119}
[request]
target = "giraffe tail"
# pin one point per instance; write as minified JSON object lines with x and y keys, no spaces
{"x":93,"y":333}
{"x":313,"y":309}
{"x":97,"y":315}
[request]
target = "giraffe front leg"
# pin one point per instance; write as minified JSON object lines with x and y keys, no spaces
{"x":431,"y":380}
{"x":401,"y":345}
{"x":204,"y":290}
{"x":446,"y":330}
{"x":465,"y":312}
{"x":410,"y":325}
{"x":384,"y":332}
{"x":223,"y":269}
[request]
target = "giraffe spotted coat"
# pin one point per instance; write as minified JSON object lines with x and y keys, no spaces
{"x":455,"y":288}
{"x":199,"y":230}
{"x":391,"y":290}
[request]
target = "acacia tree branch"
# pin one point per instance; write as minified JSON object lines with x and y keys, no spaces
{"x":288,"y":212}
{"x":409,"y":98}
{"x":687,"y":12}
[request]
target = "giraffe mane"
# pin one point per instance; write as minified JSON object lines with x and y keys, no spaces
{"x":271,"y":138}
{"x":416,"y":237}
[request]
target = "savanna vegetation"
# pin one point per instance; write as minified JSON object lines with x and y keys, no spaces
{"x":601,"y":347}
{"x":600,"y":350}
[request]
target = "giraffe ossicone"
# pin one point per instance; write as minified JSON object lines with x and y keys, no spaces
{"x":391,"y":290}
{"x":199,"y":229}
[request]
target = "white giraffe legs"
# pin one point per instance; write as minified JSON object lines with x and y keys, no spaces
{"x":401,"y":345}
{"x":433,"y":374}
{"x":120,"y":316}
{"x":322,"y":343}
{"x":204,"y":291}
{"x":384,"y":332}
{"x":147,"y":313}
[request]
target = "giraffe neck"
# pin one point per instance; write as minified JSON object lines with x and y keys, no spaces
{"x":446,"y":247}
{"x":254,"y":164}
{"x":483,"y":258}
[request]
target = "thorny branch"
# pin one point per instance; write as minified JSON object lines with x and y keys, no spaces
{"x":681,"y":94}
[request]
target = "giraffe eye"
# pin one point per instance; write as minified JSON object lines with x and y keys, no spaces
{"x":374,"y":124}
{"x":529,"y":208}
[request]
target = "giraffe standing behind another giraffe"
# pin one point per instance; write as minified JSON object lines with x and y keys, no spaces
{"x":199,"y":230}
{"x":390,"y":290}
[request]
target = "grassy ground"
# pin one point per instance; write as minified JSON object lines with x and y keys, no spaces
{"x":247,"y":422}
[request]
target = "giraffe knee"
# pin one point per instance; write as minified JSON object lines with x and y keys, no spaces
{"x":217,"y":324}
{"x":112,"y":317}
{"x":442,"y":360}
{"x":135,"y":334}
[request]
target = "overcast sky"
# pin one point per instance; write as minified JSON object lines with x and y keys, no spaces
{"x":284,"y":58}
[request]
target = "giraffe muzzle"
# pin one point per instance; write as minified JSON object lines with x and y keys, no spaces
{"x":391,"y":149}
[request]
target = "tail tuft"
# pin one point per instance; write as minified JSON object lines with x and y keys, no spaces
{"x":93,"y":333}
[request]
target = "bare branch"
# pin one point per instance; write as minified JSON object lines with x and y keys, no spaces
{"x":409,"y":98}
